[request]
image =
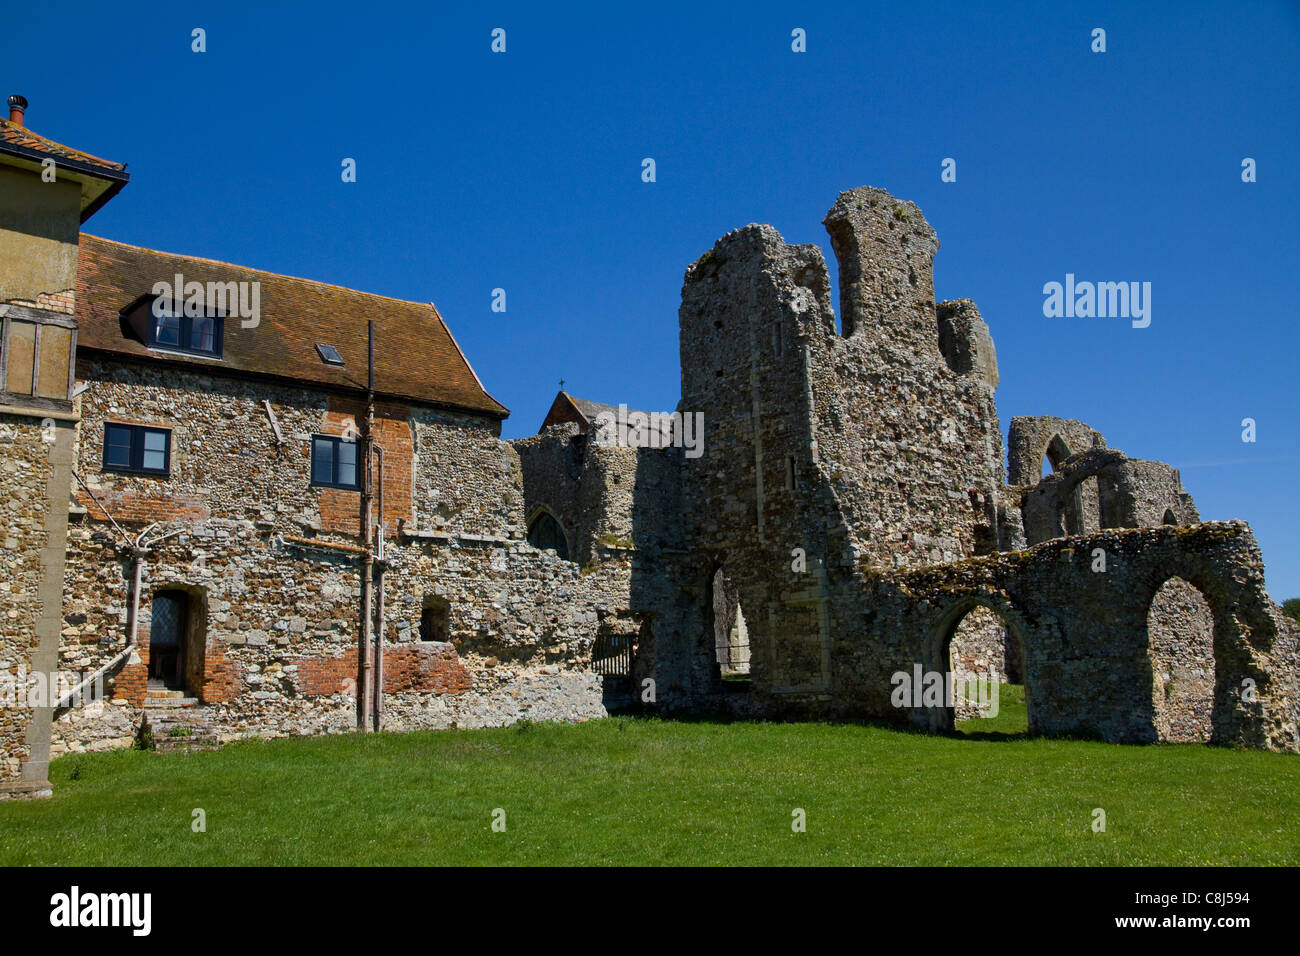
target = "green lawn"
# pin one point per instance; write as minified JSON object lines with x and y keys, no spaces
{"x":634,"y":791}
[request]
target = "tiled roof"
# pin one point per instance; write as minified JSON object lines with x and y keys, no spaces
{"x":416,"y":357}
{"x":16,"y":135}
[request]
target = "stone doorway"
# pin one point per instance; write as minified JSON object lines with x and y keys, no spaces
{"x":168,"y":629}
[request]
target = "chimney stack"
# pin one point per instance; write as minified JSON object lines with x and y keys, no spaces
{"x":17,"y":107}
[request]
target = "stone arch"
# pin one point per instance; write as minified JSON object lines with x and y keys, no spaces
{"x":1244,"y":632}
{"x":945,"y":629}
{"x":1054,"y":453}
{"x":1169,"y":517}
{"x":546,"y":532}
{"x":1055,"y":507}
{"x":1180,"y":646}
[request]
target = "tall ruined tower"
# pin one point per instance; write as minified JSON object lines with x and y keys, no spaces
{"x":828,"y":453}
{"x":906,"y":406}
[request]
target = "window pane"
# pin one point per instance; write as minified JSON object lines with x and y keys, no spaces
{"x":155,"y":450}
{"x":56,"y":347}
{"x":22,"y":352}
{"x":322,"y":461}
{"x":347,"y":462}
{"x":117,"y":446}
{"x":167,"y":331}
{"x":203,"y":335}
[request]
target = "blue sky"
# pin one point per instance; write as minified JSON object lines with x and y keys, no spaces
{"x":522,"y":170}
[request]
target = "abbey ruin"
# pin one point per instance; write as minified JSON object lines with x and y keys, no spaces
{"x":234,"y":529}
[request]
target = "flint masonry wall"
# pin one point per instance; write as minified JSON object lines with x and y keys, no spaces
{"x":875,"y":445}
{"x":1088,"y":650}
{"x":1125,"y":493}
{"x":271,"y":564}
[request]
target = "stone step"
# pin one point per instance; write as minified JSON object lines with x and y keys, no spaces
{"x":169,"y":703}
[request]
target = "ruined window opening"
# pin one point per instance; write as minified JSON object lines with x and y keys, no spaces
{"x":791,"y":474}
{"x":730,"y":632}
{"x":137,"y":449}
{"x":334,"y":463}
{"x":1169,"y":517}
{"x":545,"y":533}
{"x":1180,"y":646}
{"x":983,"y":648}
{"x":435,"y":620}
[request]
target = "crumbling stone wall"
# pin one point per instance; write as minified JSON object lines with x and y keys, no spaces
{"x":1031,"y":438}
{"x":1087,"y":647}
{"x":1129,"y":494}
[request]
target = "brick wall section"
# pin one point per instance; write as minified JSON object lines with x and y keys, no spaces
{"x":432,"y":668}
{"x":62,"y":302}
{"x":339,"y":509}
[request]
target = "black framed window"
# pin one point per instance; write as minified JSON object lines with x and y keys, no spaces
{"x":137,"y":449}
{"x":197,"y":335}
{"x":334,"y":462}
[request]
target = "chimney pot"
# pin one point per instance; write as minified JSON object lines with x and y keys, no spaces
{"x":17,"y":107}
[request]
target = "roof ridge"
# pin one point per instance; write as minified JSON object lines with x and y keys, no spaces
{"x":268,"y":272}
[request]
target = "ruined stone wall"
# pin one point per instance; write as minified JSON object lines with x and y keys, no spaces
{"x":822,"y":449}
{"x":1087,"y":646}
{"x":1123,"y":493}
{"x":604,"y":496}
{"x":911,"y":426}
{"x":273,"y":565}
{"x":1031,"y":438}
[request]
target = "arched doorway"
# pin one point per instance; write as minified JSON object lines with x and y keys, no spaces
{"x":1180,"y":632}
{"x":168,"y":632}
{"x":986,"y":663}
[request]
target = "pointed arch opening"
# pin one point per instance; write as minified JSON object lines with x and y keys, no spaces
{"x":546,"y":533}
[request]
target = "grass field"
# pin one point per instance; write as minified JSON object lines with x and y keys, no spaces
{"x":636,"y":791}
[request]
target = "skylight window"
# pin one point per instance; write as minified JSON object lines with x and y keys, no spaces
{"x":329,"y":354}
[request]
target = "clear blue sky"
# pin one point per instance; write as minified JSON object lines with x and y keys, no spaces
{"x":478,"y":170}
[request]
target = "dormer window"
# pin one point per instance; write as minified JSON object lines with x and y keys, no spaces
{"x":195,"y":335}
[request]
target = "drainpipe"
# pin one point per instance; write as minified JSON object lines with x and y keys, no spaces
{"x":365,"y":713}
{"x":133,"y":614}
{"x":379,"y":629}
